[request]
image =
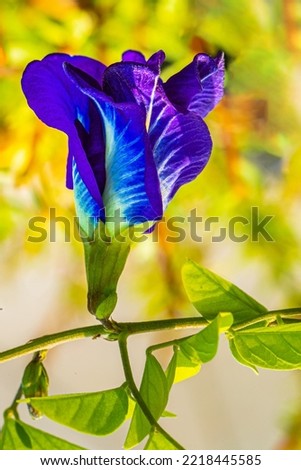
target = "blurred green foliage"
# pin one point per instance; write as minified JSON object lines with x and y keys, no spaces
{"x":256,"y":132}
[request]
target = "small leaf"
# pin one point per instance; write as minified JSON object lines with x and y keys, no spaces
{"x":171,"y":370}
{"x":97,"y":413}
{"x":17,"y":435}
{"x":131,"y":407}
{"x":154,"y":391}
{"x":274,"y":347}
{"x":191,"y":352}
{"x":202,"y":347}
{"x":158,"y":441}
{"x":168,"y":414}
{"x":211,"y":294}
{"x":186,"y":368}
{"x":239,"y":358}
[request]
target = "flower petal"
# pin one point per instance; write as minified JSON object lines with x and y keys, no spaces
{"x":78,"y":154}
{"x":133,"y":56}
{"x":155,"y":61}
{"x":132,"y":187}
{"x":129,"y":82}
{"x":199,"y":86}
{"x":60,"y":104}
{"x":87,"y":209}
{"x":51,"y":95}
{"x":132,"y":83}
{"x":93,"y":144}
{"x":181,"y":144}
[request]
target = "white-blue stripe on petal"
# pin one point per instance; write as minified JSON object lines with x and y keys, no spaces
{"x":125,"y":193}
{"x":87,"y":209}
{"x":131,"y":188}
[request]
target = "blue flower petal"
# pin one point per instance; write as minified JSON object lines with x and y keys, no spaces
{"x":87,"y":209}
{"x":133,"y":141}
{"x":51,"y":95}
{"x":133,"y":56}
{"x":128,"y":82}
{"x":199,"y":86}
{"x":92,"y":141}
{"x":181,"y":143}
{"x":155,"y":61}
{"x":132,"y":187}
{"x":60,"y":104}
{"x":181,"y":146}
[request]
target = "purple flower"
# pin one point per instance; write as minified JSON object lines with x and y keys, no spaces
{"x":133,"y":139}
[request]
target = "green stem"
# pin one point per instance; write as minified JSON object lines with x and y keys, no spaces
{"x":166,"y":344}
{"x":269,"y":317}
{"x":50,"y":341}
{"x":12,"y":410}
{"x":170,"y":324}
{"x":122,"y":341}
{"x":288,"y":312}
{"x":113,"y":330}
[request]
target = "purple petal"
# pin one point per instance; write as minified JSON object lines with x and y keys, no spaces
{"x":50,"y":93}
{"x":133,"y":82}
{"x":155,"y":61}
{"x":87,"y":209}
{"x":94,"y":145}
{"x":60,"y":104}
{"x":78,"y":156}
{"x":91,"y":67}
{"x":132,"y":185}
{"x":199,"y":86}
{"x":181,"y":144}
{"x":133,"y":56}
{"x":129,"y":82}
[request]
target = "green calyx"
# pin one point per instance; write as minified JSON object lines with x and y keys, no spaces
{"x":105,"y":258}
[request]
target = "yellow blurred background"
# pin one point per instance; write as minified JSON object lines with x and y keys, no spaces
{"x":256,"y":162}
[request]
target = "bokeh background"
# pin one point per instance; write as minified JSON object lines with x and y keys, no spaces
{"x":256,"y":162}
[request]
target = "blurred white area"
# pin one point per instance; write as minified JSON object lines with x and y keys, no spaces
{"x":226,"y":406}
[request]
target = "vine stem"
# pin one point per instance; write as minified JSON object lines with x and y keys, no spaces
{"x":50,"y":341}
{"x":12,"y":409}
{"x":113,"y":330}
{"x":269,"y":317}
{"x":122,"y":341}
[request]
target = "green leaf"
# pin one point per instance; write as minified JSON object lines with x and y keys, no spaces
{"x":131,"y":407}
{"x":168,"y":414}
{"x":171,"y":370}
{"x":239,"y":358}
{"x":274,"y":347}
{"x":211,"y":294}
{"x":17,"y":435}
{"x":191,"y":352}
{"x":158,"y":441}
{"x":97,"y":413}
{"x":202,"y":347}
{"x":186,"y":367}
{"x":154,"y":391}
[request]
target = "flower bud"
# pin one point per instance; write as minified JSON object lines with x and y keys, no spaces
{"x":35,"y":382}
